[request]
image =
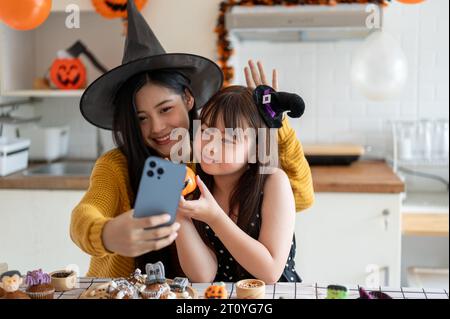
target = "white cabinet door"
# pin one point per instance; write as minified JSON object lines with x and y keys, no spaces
{"x":34,"y":230}
{"x":345,"y":237}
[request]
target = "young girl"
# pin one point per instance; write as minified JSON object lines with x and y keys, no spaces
{"x":142,"y":101}
{"x":242,"y":226}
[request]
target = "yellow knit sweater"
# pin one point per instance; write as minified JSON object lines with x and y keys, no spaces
{"x":109,"y":195}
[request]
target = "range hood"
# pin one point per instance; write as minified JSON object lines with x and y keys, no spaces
{"x":300,"y":23}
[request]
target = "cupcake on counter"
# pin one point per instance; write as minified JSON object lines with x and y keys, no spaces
{"x":39,"y":285}
{"x":10,"y":282}
{"x":122,"y":289}
{"x":155,"y":284}
{"x":137,"y":279}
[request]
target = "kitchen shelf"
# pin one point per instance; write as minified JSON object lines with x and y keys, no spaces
{"x":27,"y":55}
{"x":426,"y":215}
{"x":44,"y":93}
{"x":426,"y":225}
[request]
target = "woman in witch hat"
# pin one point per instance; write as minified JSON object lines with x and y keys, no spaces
{"x":142,"y":100}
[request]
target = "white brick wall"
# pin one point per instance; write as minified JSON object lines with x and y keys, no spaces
{"x":336,"y":112}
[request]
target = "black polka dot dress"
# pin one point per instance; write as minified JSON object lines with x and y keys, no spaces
{"x":230,"y":271}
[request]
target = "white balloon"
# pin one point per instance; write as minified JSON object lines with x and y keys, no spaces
{"x":379,"y":67}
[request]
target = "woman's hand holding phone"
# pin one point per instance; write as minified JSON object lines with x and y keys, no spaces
{"x":131,"y":237}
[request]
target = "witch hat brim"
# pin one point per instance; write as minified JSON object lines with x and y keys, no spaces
{"x":144,"y":53}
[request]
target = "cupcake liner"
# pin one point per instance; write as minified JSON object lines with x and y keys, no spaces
{"x":42,"y":294}
{"x":151,"y":294}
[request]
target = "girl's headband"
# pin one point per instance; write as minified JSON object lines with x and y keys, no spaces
{"x":272,"y":105}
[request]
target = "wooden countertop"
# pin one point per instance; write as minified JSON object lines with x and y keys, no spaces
{"x":20,"y":181}
{"x":360,"y":177}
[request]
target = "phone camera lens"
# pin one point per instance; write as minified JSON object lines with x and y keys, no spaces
{"x":152,"y":164}
{"x":150,"y":173}
{"x":160,"y":171}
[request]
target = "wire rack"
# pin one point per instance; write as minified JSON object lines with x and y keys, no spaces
{"x":283,"y":291}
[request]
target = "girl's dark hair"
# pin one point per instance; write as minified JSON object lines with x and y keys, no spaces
{"x":128,"y":138}
{"x":234,"y":105}
{"x":126,"y":128}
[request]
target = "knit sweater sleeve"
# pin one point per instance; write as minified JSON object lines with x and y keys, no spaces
{"x":98,"y":206}
{"x":294,"y":163}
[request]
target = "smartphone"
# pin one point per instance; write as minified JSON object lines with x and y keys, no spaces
{"x":160,"y":188}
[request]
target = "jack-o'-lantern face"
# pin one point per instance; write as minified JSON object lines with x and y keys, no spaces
{"x":217,"y":291}
{"x":115,"y":8}
{"x":68,"y":74}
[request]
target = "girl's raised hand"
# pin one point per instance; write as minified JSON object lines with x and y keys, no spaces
{"x":204,"y":209}
{"x":255,"y":76}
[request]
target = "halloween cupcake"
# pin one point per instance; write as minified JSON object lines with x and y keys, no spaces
{"x":155,"y":290}
{"x":155,"y":283}
{"x":39,"y":286}
{"x":122,"y":289}
{"x":137,"y":279}
{"x":216,"y":291}
{"x":10,"y":282}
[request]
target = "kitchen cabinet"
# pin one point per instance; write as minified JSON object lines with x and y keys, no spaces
{"x":352,"y":234}
{"x":36,"y":234}
{"x":350,"y":238}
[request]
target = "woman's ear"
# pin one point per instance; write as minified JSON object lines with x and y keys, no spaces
{"x":189,"y":99}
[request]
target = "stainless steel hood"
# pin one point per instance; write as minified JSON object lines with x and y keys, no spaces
{"x":301,"y":23}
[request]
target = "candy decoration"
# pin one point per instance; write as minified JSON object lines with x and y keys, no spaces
{"x":37,"y":277}
{"x":336,"y":292}
{"x":363,"y":294}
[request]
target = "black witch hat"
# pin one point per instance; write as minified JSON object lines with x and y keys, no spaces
{"x":143,"y":52}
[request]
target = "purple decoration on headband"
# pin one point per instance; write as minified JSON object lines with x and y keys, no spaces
{"x":268,"y":106}
{"x":37,"y":277}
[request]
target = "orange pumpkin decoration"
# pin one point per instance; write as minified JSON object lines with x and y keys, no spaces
{"x":112,"y":9}
{"x":216,"y":291}
{"x":68,"y":74}
{"x":189,"y":182}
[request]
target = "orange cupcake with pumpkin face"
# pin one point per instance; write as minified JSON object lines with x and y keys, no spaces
{"x":216,"y":291}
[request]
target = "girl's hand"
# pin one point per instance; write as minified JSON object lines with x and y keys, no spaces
{"x":255,"y":76}
{"x":204,"y":209}
{"x":130,"y":237}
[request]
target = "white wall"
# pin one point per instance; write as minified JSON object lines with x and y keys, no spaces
{"x":320,"y":72}
{"x":335,"y":111}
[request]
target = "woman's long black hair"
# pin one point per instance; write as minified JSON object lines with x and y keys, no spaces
{"x":126,"y":128}
{"x":128,"y":138}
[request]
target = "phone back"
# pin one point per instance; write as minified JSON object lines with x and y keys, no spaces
{"x":160,"y":188}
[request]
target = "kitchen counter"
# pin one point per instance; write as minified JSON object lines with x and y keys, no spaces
{"x":360,"y":177}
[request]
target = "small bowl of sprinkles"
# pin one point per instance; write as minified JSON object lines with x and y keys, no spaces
{"x":250,"y":289}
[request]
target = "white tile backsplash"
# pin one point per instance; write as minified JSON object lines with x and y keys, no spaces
{"x":338,"y":110}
